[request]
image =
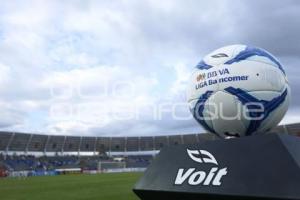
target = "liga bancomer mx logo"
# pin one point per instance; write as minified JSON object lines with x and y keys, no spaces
{"x":198,"y":177}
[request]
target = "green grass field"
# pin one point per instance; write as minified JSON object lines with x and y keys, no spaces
{"x":70,"y":187}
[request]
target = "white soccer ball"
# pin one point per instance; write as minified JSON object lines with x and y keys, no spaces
{"x":238,"y":90}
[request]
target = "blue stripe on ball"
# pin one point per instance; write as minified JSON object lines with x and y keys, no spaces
{"x":268,"y":106}
{"x":203,"y":65}
{"x":199,"y":108}
{"x":252,"y":51}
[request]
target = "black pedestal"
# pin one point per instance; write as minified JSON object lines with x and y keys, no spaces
{"x":256,"y":167}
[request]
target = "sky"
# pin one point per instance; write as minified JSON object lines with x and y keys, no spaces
{"x":115,"y":68}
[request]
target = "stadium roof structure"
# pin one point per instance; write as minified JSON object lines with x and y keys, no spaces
{"x":25,"y":142}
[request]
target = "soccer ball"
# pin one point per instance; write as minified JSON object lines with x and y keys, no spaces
{"x":238,"y":90}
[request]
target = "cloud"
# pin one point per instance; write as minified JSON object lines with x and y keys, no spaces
{"x":94,"y":97}
{"x":272,"y":28}
{"x":10,"y":116}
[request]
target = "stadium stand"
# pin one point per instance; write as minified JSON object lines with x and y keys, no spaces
{"x":88,"y":144}
{"x":146,"y":144}
{"x":5,"y":138}
{"x":132,"y":144}
{"x":19,"y":142}
{"x":117,"y":144}
{"x":175,"y":140}
{"x":190,"y":139}
{"x":71,"y":144}
{"x":160,"y":142}
{"x":293,"y":129}
{"x":103,"y":145}
{"x":37,"y":143}
{"x":138,"y":161}
{"x":55,"y":143}
{"x":18,"y":150}
{"x":24,"y":142}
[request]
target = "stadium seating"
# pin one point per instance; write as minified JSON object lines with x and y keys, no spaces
{"x":22,"y":142}
{"x":132,"y":144}
{"x":71,"y":144}
{"x":88,"y":144}
{"x":160,"y":142}
{"x":4,"y":140}
{"x":146,"y":144}
{"x":175,"y":140}
{"x":19,"y":142}
{"x":55,"y":143}
{"x":142,"y":150}
{"x":118,"y":144}
{"x":293,"y":129}
{"x":190,"y":139}
{"x":103,"y":144}
{"x":37,"y":143}
{"x":138,"y":161}
{"x":31,"y":162}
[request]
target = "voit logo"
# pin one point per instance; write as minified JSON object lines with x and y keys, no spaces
{"x":195,"y":176}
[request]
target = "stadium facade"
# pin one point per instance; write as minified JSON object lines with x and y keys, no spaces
{"x":28,"y":143}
